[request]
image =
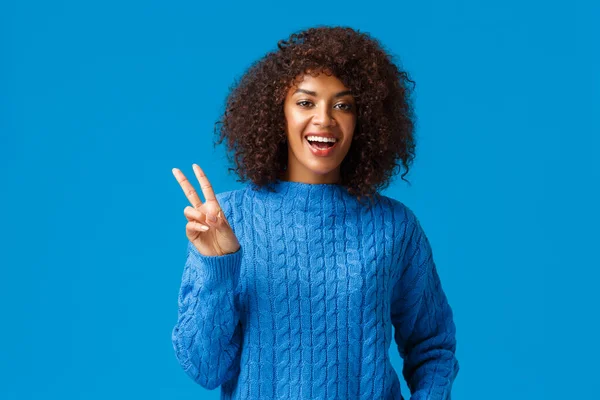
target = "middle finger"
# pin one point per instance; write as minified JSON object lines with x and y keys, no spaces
{"x":205,"y":186}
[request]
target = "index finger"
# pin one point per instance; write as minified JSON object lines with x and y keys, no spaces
{"x":207,"y":190}
{"x":188,"y":189}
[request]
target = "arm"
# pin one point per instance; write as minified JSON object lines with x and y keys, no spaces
{"x":423,"y":322}
{"x":207,"y":337}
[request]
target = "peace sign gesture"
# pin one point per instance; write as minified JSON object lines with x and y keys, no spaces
{"x":207,"y":227}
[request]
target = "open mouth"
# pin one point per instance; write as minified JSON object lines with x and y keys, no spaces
{"x":321,"y":145}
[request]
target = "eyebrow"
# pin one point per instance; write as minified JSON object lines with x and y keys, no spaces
{"x":310,"y":92}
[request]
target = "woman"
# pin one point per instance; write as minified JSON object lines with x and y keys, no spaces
{"x":292,"y":284}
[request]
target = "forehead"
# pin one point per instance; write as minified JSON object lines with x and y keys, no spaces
{"x":322,"y":84}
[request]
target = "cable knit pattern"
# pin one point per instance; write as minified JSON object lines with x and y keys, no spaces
{"x":305,"y":308}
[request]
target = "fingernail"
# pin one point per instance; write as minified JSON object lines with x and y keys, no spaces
{"x":204,"y":227}
{"x":211,"y":218}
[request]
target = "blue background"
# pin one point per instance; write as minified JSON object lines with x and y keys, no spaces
{"x":99,"y":100}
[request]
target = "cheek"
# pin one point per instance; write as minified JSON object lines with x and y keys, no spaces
{"x":348,"y":128}
{"x":296,"y":124}
{"x":295,"y":119}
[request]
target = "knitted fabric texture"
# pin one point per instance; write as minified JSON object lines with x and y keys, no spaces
{"x":305,"y":308}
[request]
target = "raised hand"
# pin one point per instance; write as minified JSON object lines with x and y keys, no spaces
{"x":207,"y":227}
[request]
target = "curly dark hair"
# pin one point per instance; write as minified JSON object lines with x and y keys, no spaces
{"x":253,"y":123}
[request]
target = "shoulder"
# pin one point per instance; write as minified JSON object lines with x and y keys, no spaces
{"x":398,"y":211}
{"x":228,"y":195}
{"x":238,"y":195}
{"x":408,"y":233}
{"x":230,"y":199}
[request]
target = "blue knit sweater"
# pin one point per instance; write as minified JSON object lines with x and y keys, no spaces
{"x":305,"y":308}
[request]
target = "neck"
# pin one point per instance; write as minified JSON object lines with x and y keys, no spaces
{"x":332,"y":177}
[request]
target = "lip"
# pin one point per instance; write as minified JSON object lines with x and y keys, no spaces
{"x":319,"y":152}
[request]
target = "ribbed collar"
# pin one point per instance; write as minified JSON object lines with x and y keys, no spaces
{"x":311,"y":189}
{"x":307,"y":197}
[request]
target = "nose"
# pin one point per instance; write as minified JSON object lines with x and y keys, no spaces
{"x":323,"y":117}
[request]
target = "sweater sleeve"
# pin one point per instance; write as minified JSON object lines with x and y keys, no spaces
{"x":207,"y":336}
{"x":423,"y":322}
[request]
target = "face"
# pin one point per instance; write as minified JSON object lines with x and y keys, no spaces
{"x":320,"y":114}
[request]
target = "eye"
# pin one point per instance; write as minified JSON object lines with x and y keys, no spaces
{"x":304,"y":103}
{"x":344,"y":106}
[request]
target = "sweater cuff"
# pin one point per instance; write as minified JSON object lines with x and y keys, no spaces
{"x":218,"y":267}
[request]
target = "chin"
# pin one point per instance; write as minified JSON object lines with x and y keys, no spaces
{"x":320,"y":170}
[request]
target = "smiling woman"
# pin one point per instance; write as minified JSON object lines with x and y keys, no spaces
{"x":292,"y":284}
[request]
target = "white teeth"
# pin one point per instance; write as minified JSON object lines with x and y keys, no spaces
{"x":320,"y":139}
